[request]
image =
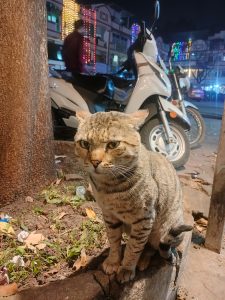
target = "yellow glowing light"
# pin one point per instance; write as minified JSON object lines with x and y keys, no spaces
{"x":71,"y":13}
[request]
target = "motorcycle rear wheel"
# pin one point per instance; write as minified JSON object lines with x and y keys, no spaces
{"x":153,"y":136}
{"x":196,"y":134}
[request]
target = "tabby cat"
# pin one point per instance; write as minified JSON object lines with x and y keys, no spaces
{"x":135,"y":188}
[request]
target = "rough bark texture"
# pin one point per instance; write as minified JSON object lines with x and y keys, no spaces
{"x":215,"y":229}
{"x":26,"y":156}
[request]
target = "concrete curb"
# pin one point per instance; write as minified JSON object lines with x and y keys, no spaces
{"x":159,"y":282}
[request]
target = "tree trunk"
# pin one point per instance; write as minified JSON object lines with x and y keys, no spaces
{"x":215,"y":230}
{"x":26,"y":153}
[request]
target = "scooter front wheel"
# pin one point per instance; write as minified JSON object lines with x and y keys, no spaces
{"x":196,"y":134}
{"x":153,"y":135}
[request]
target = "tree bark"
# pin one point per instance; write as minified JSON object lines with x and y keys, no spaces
{"x":26,"y":153}
{"x":215,"y":230}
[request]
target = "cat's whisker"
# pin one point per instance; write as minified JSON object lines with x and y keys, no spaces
{"x":125,"y":175}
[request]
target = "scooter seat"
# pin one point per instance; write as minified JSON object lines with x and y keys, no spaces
{"x":96,"y":84}
{"x":122,"y":83}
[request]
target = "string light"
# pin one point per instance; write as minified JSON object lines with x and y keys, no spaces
{"x":71,"y":11}
{"x":89,"y":18}
{"x":181,"y":50}
{"x":135,"y":29}
{"x":95,"y":41}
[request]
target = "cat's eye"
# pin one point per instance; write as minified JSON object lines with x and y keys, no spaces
{"x":84,"y":144}
{"x":113,"y":145}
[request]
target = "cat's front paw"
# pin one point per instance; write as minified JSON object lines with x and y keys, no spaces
{"x":110,"y":267}
{"x":125,"y":275}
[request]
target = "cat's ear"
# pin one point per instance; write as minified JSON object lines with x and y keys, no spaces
{"x":82,"y":115}
{"x":138,"y":118}
{"x":175,"y":231}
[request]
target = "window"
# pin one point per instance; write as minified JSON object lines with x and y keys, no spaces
{"x":54,"y":15}
{"x":54,"y":51}
{"x":217,"y":44}
{"x":101,"y":57}
{"x":104,"y":16}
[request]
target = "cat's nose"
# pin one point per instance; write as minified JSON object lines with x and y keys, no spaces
{"x":95,"y":163}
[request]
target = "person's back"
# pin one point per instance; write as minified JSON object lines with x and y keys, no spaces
{"x":73,"y":49}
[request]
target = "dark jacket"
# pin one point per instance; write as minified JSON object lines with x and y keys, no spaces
{"x":73,"y":52}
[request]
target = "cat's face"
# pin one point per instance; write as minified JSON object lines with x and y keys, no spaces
{"x":108,"y":143}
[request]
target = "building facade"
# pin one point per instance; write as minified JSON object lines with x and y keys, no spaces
{"x":113,"y":36}
{"x":54,"y":32}
{"x":204,"y":61}
{"x":107,"y":33}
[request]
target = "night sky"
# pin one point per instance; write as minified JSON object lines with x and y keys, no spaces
{"x":179,"y":15}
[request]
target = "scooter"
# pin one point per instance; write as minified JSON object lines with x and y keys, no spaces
{"x":164,"y":129}
{"x":180,"y":85}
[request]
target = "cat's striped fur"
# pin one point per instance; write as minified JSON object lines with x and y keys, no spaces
{"x":133,"y":186}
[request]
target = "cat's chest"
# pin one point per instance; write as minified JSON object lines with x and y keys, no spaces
{"x":121,"y":208}
{"x":112,"y":202}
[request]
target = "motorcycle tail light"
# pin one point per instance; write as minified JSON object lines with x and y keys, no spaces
{"x":173,"y":114}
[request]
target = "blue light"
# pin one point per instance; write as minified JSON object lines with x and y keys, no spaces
{"x":59,"y":55}
{"x":111,"y":85}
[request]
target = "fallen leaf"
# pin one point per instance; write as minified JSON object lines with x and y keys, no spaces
{"x":81,"y":261}
{"x":90,"y":213}
{"x":53,"y":227}
{"x":202,"y":181}
{"x":8,"y":290}
{"x":57,"y":182}
{"x":29,"y":199}
{"x":63,"y":214}
{"x":51,"y":272}
{"x":41,"y":246}
{"x":6,"y":228}
{"x":203,"y":222}
{"x":199,"y":228}
{"x":34,"y":239}
{"x":69,"y":177}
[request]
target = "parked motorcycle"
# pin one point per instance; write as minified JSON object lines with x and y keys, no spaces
{"x":164,"y":129}
{"x":181,"y":85}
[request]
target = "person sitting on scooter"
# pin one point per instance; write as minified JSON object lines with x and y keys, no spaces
{"x":73,"y":48}
{"x":129,"y":64}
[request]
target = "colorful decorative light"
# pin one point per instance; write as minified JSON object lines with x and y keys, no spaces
{"x":181,"y":50}
{"x":89,"y":18}
{"x":71,"y":11}
{"x":135,"y":29}
{"x":95,"y":41}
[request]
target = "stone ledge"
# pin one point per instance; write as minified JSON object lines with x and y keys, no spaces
{"x":159,"y":282}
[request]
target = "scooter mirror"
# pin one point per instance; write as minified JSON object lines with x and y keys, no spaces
{"x":157,"y":10}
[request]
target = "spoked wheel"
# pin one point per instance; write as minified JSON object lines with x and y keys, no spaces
{"x":154,"y":137}
{"x":196,"y":134}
